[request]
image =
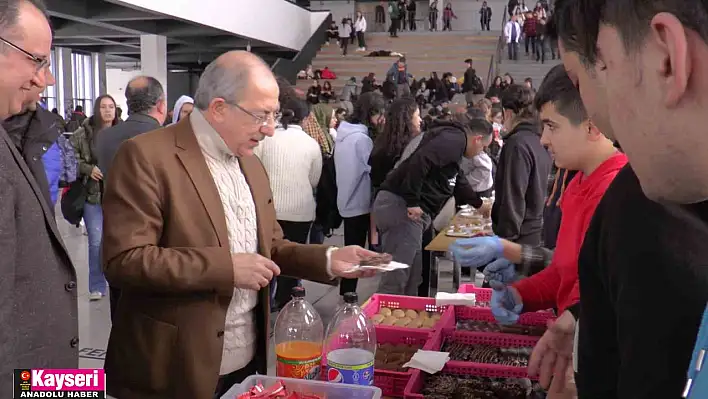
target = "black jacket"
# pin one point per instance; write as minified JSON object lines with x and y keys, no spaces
{"x":552,"y":212}
{"x":33,"y":133}
{"x":381,"y":164}
{"x":520,"y":186}
{"x":108,"y":142}
{"x":431,"y":175}
{"x":643,"y":271}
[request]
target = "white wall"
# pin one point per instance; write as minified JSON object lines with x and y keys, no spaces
{"x":339,"y":9}
{"x":116,"y":81}
{"x":274,"y":21}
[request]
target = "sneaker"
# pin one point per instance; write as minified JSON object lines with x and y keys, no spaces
{"x":95,"y":296}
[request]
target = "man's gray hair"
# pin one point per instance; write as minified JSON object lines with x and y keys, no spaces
{"x":10,"y":13}
{"x":224,"y":80}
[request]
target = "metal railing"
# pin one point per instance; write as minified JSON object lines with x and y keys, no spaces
{"x":497,"y":57}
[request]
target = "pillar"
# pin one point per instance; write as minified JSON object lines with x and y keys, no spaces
{"x":153,"y":58}
{"x":99,"y":69}
{"x":64,"y":81}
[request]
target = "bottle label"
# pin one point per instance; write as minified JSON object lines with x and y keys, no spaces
{"x":362,"y":374}
{"x":304,"y":369}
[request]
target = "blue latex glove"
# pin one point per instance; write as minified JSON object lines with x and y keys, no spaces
{"x":477,"y":251}
{"x":501,"y":271}
{"x":506,"y":303}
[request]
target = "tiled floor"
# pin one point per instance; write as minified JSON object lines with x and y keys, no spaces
{"x":94,"y":317}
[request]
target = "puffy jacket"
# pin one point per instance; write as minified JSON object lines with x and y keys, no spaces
{"x":83,"y":142}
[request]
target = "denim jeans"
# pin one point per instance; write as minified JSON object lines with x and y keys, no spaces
{"x":93,"y":217}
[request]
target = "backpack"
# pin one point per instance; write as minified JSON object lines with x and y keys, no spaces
{"x":326,"y":211}
{"x":477,"y":86}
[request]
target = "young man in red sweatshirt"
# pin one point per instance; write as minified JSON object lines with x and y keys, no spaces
{"x":576,"y":144}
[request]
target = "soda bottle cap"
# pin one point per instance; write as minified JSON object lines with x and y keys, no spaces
{"x":351,"y":297}
{"x":298,"y":292}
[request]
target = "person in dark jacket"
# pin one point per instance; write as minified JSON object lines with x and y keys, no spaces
{"x":426,"y":176}
{"x":521,"y":181}
{"x":485,"y":16}
{"x":37,"y":131}
{"x":147,"y":111}
{"x":403,"y":122}
{"x":471,"y":84}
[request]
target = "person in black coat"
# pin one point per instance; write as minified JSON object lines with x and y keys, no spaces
{"x":521,"y":181}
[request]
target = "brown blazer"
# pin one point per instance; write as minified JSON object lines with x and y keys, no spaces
{"x":165,"y":245}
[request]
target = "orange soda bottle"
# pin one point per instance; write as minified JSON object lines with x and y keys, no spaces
{"x":298,"y":339}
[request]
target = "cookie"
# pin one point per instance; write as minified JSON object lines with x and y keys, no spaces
{"x":412,"y":314}
{"x":399,"y":313}
{"x":377,"y":318}
{"x":402,"y":322}
{"x":385,"y":312}
{"x":388,"y":321}
{"x":428,"y":323}
{"x":417,"y":323}
{"x":376,"y":260}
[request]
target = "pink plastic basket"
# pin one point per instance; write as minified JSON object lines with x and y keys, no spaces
{"x":485,"y":314}
{"x":378,"y":301}
{"x":393,"y":383}
{"x":481,"y":294}
{"x":415,"y":385}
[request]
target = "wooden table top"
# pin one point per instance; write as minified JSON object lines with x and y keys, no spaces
{"x":442,"y":241}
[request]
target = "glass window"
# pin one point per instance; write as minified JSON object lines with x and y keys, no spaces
{"x":49,"y":97}
{"x":82,"y":79}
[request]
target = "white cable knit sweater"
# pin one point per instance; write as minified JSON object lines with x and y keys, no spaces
{"x":240,"y":210}
{"x":293,"y":161}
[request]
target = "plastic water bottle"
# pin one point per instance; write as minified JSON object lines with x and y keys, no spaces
{"x":350,"y":345}
{"x":298,"y":339}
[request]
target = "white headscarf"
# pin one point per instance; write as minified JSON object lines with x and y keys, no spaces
{"x":178,"y":107}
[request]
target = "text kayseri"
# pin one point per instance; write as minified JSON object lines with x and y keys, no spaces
{"x":40,"y":379}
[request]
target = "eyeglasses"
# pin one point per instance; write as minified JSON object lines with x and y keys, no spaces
{"x":261,"y":120}
{"x":40,"y":63}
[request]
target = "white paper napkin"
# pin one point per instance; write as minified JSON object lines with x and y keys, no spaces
{"x":429,"y":361}
{"x":446,"y":298}
{"x":382,"y":268}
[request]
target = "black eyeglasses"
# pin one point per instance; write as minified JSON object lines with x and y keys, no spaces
{"x":261,"y":120}
{"x":40,"y":63}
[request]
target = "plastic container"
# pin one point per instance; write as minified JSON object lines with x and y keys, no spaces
{"x":393,"y":383}
{"x":298,"y":339}
{"x":328,"y":390}
{"x":456,"y":313}
{"x":378,"y":301}
{"x":350,"y":345}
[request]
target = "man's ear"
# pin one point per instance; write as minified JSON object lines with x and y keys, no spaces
{"x":667,"y":53}
{"x":593,"y":132}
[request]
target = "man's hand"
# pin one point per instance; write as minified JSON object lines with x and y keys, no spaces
{"x":96,"y":173}
{"x":553,"y":353}
{"x":343,"y":259}
{"x":507,"y":303}
{"x":485,"y":209}
{"x":501,"y":270}
{"x":415,"y":213}
{"x":253,"y":271}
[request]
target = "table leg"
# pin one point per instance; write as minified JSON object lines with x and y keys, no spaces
{"x":456,"y":274}
{"x":434,"y":273}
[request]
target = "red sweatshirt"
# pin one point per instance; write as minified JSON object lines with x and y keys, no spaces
{"x":557,"y":285}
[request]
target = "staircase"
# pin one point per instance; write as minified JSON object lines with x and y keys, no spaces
{"x":425,"y":52}
{"x":526,"y":67}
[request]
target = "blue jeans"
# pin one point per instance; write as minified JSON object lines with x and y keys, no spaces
{"x":93,"y":217}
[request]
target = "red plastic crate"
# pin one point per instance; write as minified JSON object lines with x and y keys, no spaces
{"x":481,"y":294}
{"x":378,"y":301}
{"x":539,"y":318}
{"x":415,"y":385}
{"x":393,"y":383}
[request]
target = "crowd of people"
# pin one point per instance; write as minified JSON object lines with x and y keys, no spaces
{"x":529,"y":28}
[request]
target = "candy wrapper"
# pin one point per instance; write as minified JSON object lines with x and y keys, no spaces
{"x":275,"y":391}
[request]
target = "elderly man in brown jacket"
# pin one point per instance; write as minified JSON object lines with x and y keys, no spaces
{"x":192,"y":240}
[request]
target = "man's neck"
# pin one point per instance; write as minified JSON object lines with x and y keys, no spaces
{"x":594,"y":161}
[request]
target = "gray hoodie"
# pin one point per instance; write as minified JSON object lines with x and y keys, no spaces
{"x":350,"y":89}
{"x":351,"y":161}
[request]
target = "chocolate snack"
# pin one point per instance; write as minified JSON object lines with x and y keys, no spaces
{"x":472,"y":387}
{"x":392,"y":357}
{"x":376,"y":260}
{"x":515,"y":357}
{"x":485,"y":326}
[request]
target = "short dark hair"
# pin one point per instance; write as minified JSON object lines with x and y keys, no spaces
{"x":480,"y":127}
{"x":468,"y":61}
{"x":10,"y":12}
{"x":559,"y":90}
{"x":294,"y":112}
{"x":577,"y":22}
{"x":518,"y":99}
{"x":143,"y":93}
{"x":402,"y":59}
{"x":475,"y":112}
